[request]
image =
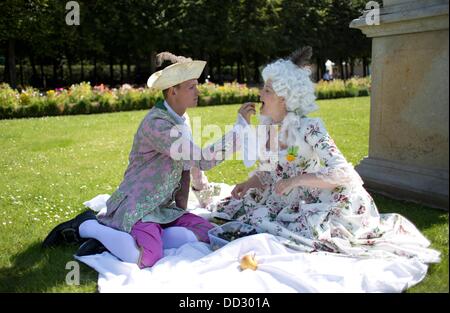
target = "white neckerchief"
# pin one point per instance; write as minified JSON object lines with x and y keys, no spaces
{"x":179,"y":119}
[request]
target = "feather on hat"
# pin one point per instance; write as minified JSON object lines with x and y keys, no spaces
{"x":182,"y":69}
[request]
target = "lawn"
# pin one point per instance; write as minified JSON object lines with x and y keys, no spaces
{"x":50,"y":166}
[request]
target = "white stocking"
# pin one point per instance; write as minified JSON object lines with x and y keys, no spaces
{"x":123,"y":245}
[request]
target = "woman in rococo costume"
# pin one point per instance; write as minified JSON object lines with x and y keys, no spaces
{"x":310,"y":195}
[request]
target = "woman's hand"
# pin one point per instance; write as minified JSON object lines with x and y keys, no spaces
{"x":240,"y":190}
{"x":246,"y":110}
{"x":284,"y":186}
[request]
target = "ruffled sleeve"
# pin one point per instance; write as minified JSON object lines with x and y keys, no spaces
{"x":171,"y":140}
{"x":335,"y":169}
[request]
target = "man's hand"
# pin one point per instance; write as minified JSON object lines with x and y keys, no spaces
{"x":246,"y":110}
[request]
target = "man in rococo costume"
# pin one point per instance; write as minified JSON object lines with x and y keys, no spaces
{"x":150,"y":203}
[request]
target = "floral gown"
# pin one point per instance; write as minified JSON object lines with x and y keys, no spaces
{"x":340,"y":220}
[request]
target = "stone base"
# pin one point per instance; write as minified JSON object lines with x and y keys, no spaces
{"x":406,"y":182}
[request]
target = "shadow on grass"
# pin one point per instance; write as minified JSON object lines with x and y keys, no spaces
{"x":421,"y":216}
{"x":38,"y":270}
{"x":433,"y":224}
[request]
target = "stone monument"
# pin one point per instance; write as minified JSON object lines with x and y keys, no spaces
{"x":409,"y":118}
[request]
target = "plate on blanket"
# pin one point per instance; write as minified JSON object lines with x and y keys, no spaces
{"x":224,"y":234}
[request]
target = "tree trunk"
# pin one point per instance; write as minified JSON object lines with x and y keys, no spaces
{"x":43,"y":79}
{"x":341,"y":68}
{"x":33,"y":66}
{"x":246,"y":69}
{"x":232,"y":70}
{"x":318,"y":69}
{"x":239,"y":74}
{"x":346,"y":70}
{"x":364,"y":62}
{"x":219,"y":69}
{"x":61,"y":72}
{"x":5,"y":71}
{"x":34,"y":75}
{"x":352,"y":67}
{"x":208,"y":67}
{"x":111,"y":70}
{"x":69,"y":65}
{"x":55,"y":72}
{"x":95,"y":70}
{"x":21,"y":72}
{"x":121,"y":71}
{"x":82,"y":70}
{"x":128,"y":71}
{"x":256,"y":68}
{"x":11,"y":63}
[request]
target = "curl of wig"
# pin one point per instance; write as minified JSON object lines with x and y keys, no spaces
{"x":293,"y":83}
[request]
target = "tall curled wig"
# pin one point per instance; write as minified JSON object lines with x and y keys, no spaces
{"x":291,"y":80}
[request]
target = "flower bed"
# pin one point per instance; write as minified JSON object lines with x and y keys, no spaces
{"x":84,"y":99}
{"x":354,"y":87}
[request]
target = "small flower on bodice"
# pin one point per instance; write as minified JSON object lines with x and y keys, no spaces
{"x":292,"y":154}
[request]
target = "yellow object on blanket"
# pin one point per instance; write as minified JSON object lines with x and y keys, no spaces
{"x":249,"y":262}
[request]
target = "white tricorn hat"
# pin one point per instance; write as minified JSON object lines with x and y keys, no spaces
{"x":182,"y":69}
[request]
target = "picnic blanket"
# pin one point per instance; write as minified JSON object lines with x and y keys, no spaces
{"x":194,"y":267}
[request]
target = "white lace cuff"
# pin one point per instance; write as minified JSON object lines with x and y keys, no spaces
{"x":199,"y":179}
{"x":342,"y":175}
{"x":241,"y":121}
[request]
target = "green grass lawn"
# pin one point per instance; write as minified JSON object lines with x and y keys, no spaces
{"x":50,"y":166}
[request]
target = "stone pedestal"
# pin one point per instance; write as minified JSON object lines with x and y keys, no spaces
{"x":409,"y":119}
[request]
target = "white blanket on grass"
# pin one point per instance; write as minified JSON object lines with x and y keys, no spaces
{"x":194,"y":267}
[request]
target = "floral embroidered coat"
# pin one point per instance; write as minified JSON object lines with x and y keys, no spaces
{"x":152,"y":178}
{"x":344,"y":219}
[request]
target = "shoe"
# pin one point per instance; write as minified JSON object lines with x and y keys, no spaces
{"x":90,"y":247}
{"x":67,"y":232}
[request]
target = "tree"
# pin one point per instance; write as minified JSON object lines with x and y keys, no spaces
{"x":15,"y":25}
{"x":254,"y":27}
{"x":240,"y":35}
{"x":342,"y":42}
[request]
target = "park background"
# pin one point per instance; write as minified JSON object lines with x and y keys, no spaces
{"x":50,"y":165}
{"x":116,"y":41}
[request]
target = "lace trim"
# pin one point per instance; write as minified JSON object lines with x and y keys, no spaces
{"x":342,"y":175}
{"x":199,"y":180}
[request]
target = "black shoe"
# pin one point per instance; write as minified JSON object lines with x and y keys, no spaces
{"x":67,"y":232}
{"x":90,"y":247}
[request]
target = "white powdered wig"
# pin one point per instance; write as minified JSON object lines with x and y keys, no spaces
{"x":293,"y":83}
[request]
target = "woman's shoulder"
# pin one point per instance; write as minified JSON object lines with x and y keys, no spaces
{"x":309,"y":124}
{"x":312,"y":129}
